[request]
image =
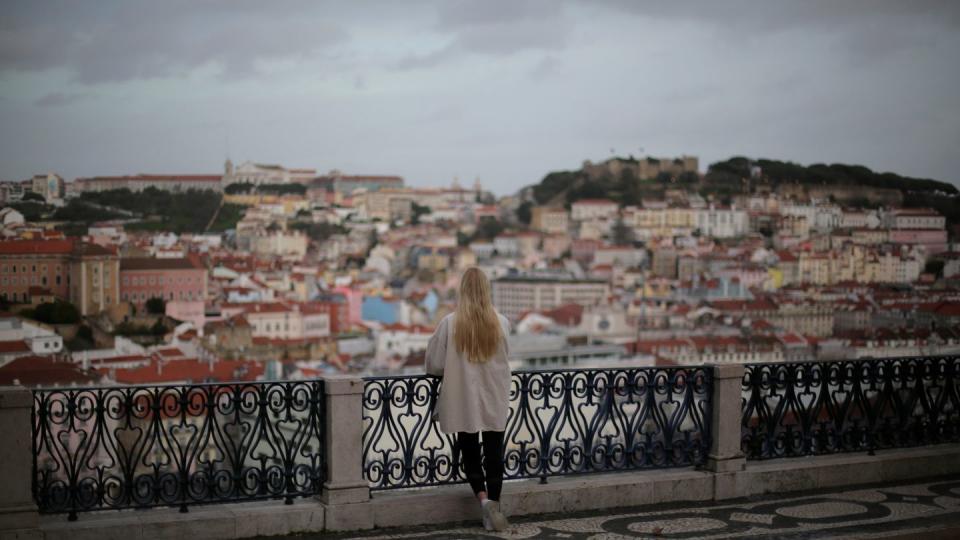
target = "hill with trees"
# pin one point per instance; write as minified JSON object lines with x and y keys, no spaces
{"x":738,"y":175}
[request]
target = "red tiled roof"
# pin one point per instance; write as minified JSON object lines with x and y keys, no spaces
{"x":596,"y":202}
{"x":413,"y":329}
{"x":45,"y":371}
{"x":156,"y":178}
{"x":36,"y":247}
{"x":150,"y":263}
{"x":14,"y":346}
{"x":191,"y":370}
{"x":566,"y":315}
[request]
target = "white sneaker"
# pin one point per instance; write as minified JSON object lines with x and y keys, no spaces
{"x":493,"y":519}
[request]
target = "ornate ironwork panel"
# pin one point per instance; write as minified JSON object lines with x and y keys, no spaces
{"x":143,"y":446}
{"x":560,"y":422}
{"x":802,"y":409}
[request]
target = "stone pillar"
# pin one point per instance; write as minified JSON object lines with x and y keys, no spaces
{"x":725,"y":454}
{"x":345,"y":493}
{"x":17,"y":508}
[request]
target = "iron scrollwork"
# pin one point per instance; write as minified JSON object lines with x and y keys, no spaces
{"x":814,"y":408}
{"x":176,"y":445}
{"x":560,"y":422}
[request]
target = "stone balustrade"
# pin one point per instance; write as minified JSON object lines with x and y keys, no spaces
{"x":723,"y":471}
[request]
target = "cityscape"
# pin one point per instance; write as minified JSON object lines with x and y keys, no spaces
{"x":290,"y":273}
{"x":469,"y":269}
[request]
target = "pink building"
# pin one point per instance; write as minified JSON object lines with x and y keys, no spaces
{"x":174,"y":280}
{"x":354,"y":298}
{"x":934,"y":240}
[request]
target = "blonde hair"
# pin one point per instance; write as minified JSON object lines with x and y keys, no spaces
{"x":476,"y":330}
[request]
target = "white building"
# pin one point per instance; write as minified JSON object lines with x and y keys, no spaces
{"x":588,"y":209}
{"x":513,"y":295}
{"x":19,"y":337}
{"x":401,"y":340}
{"x":722,"y":222}
{"x":259,"y":173}
{"x":49,"y":185}
{"x":913,"y":218}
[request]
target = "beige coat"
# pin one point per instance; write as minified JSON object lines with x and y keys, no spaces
{"x":474,"y":396}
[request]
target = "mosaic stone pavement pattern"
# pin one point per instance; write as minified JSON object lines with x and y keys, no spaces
{"x":907,"y":510}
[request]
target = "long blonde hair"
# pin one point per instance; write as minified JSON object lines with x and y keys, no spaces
{"x":476,"y":330}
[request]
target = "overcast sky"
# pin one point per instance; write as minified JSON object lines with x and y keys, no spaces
{"x":503,"y":91}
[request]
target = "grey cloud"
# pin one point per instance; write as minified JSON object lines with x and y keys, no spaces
{"x":142,"y":40}
{"x":545,"y":67}
{"x":58,"y":99}
{"x":865,"y":29}
{"x":495,"y":29}
{"x":471,"y":13}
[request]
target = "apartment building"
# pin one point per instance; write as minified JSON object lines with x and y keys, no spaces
{"x":721,"y":222}
{"x":550,"y":220}
{"x":338,"y":182}
{"x":914,"y":218}
{"x":249,"y":172}
{"x":516,"y":294}
{"x":285,"y":320}
{"x":589,"y":209}
{"x":140,"y":182}
{"x":50,"y":186}
{"x":83,"y":273}
{"x":169,"y":279}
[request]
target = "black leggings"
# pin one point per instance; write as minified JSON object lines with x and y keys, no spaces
{"x":492,"y":461}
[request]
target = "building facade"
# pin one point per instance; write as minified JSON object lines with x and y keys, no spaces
{"x":515,"y":295}
{"x":172,"y":280}
{"x":82,"y":273}
{"x":140,"y":182}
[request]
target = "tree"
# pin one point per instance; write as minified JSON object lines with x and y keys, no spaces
{"x":664,"y":178}
{"x":525,"y":213}
{"x":372,"y":240}
{"x":488,"y":229}
{"x":240,"y":187}
{"x":158,"y":328}
{"x":56,"y":312}
{"x":31,"y":196}
{"x":622,"y":235}
{"x":156,"y":306}
{"x":417,"y":211}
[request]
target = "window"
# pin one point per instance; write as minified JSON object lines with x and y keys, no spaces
{"x":57,"y":280}
{"x":33,"y":268}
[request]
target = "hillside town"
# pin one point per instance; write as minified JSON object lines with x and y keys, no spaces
{"x":325,"y":273}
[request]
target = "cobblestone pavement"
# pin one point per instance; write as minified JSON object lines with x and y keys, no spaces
{"x":928,"y":509}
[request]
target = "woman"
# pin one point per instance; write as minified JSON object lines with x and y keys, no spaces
{"x":469,"y":350}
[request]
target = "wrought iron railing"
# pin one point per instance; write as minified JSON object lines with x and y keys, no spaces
{"x":176,"y":445}
{"x":561,"y":422}
{"x":813,"y":408}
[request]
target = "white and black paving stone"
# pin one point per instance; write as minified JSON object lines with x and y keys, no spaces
{"x":905,"y":510}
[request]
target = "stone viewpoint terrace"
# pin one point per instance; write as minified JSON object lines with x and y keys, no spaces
{"x":756,"y":449}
